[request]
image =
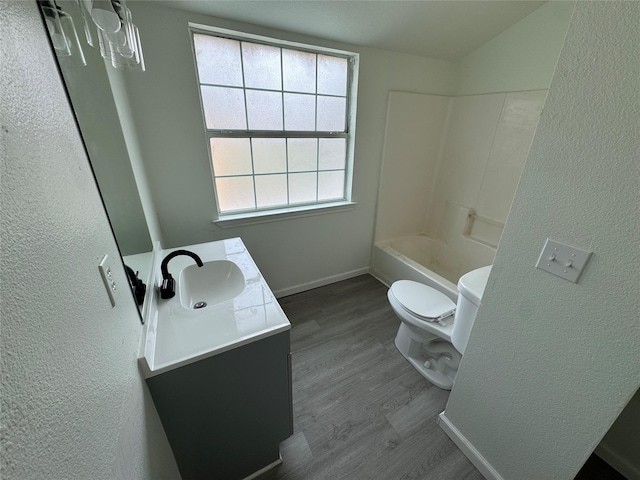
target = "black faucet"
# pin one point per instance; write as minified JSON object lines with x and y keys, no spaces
{"x":168,"y":288}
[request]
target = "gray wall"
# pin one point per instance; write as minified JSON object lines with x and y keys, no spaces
{"x":73,"y":402}
{"x":550,"y":364}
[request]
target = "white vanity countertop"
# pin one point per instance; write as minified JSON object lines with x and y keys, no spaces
{"x":176,"y":336}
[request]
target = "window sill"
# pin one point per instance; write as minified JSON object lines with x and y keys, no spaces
{"x":253,"y":218}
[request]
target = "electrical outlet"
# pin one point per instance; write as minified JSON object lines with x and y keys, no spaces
{"x":107,"y":277}
{"x":563,"y":260}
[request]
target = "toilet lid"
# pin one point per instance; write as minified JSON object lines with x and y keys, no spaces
{"x":422,"y":300}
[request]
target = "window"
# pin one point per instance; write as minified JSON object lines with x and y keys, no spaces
{"x":279,"y":121}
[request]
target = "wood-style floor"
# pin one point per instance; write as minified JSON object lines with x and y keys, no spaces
{"x":360,"y":410}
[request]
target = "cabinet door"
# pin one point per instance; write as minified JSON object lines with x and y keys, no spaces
{"x":226,"y":415}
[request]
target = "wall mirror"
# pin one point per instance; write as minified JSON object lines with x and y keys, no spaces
{"x":93,"y":89}
{"x":123,"y":113}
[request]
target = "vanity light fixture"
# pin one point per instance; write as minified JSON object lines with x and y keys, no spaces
{"x":107,"y":25}
{"x":62,"y":32}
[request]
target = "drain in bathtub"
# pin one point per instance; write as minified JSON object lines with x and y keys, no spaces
{"x":199,"y":305}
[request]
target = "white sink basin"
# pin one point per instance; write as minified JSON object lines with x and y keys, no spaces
{"x":241,"y":308}
{"x":213,"y":283}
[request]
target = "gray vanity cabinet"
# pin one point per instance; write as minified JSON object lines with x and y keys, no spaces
{"x":226,"y":415}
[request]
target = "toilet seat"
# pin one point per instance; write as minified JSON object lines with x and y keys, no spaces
{"x":422,"y":301}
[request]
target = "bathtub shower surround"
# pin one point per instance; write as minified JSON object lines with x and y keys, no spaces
{"x":451,"y":166}
{"x":410,"y":258}
{"x":487,"y":141}
{"x":432,"y":262}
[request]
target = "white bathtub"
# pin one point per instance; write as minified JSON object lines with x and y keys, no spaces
{"x":428,"y":261}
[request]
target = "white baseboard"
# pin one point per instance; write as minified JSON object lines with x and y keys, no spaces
{"x":255,"y":475}
{"x":621,"y":464}
{"x":303,"y":287}
{"x":483,"y":466}
{"x":381,"y":277}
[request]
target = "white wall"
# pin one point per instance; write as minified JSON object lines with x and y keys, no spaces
{"x":73,"y":402}
{"x":522,"y":57}
{"x":166,"y":110}
{"x":550,"y":364}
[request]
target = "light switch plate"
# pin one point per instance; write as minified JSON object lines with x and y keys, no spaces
{"x":107,"y":277}
{"x":563,"y":260}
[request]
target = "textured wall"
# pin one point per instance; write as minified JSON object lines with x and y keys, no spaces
{"x":550,"y":364}
{"x":73,"y":402}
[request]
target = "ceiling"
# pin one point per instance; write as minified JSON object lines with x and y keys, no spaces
{"x":443,"y":29}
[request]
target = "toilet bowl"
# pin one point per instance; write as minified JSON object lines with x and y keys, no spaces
{"x":434,"y":331}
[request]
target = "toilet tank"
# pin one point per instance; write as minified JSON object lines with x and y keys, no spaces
{"x":470,"y":288}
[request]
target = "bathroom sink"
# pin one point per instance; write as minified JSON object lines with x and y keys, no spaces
{"x":214,"y":282}
{"x":241,"y":308}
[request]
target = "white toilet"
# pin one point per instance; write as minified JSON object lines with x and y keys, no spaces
{"x":434,"y":331}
